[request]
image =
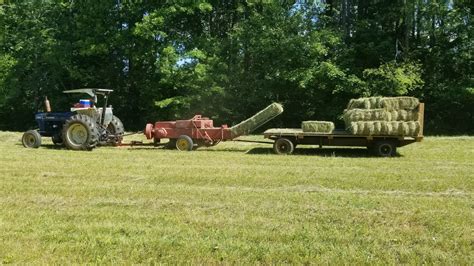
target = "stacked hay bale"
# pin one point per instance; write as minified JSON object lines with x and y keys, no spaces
{"x":324,"y":127}
{"x":390,"y":116}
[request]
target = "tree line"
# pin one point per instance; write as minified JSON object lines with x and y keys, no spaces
{"x":228,"y":59}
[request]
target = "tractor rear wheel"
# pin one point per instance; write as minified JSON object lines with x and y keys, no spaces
{"x":116,"y":128}
{"x":184,"y":143}
{"x":31,"y":139}
{"x":80,"y":133}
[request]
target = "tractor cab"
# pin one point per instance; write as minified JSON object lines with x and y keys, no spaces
{"x":88,"y":106}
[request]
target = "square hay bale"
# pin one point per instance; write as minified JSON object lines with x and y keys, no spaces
{"x":354,"y":115}
{"x":385,"y":128}
{"x":394,"y":125}
{"x":260,"y":118}
{"x":365,"y":103}
{"x":360,"y":128}
{"x":399,"y":103}
{"x":403,"y":129}
{"x":377,"y":127}
{"x":414,"y":128}
{"x":404,"y":115}
{"x":317,"y":126}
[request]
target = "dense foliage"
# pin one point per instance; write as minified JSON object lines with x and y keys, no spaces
{"x":229,"y":58}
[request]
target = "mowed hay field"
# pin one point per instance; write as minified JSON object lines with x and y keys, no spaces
{"x":237,"y":203}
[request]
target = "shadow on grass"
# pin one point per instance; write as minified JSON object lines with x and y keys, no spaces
{"x":324,"y":152}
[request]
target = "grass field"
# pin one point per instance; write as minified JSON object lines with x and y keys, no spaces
{"x":237,"y":203}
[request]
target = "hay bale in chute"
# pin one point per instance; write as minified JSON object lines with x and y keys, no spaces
{"x":260,"y":118}
{"x":317,"y":126}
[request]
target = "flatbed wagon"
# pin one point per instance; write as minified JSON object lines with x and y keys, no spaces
{"x":286,"y":139}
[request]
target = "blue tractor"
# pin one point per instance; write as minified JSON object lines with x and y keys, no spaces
{"x":83,"y":128}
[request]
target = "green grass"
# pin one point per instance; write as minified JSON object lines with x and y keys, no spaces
{"x":237,"y":203}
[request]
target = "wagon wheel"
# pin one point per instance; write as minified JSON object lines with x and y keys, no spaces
{"x":385,"y":148}
{"x":184,"y":143}
{"x":283,"y":146}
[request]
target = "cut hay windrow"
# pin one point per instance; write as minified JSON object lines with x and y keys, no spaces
{"x":317,"y":126}
{"x":385,"y":128}
{"x":260,"y":118}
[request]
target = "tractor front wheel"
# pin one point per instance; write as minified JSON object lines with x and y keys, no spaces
{"x":184,"y":143}
{"x":31,"y":139}
{"x":80,"y":133}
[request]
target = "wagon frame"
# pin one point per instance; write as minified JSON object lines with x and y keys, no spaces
{"x":286,"y":139}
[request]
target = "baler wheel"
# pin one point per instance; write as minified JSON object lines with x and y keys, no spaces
{"x":184,"y":143}
{"x":80,"y":133}
{"x":31,"y":139}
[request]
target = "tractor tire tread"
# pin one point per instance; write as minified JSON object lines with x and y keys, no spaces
{"x":93,"y":132}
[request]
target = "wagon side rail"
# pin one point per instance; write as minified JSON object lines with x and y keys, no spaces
{"x":421,"y":120}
